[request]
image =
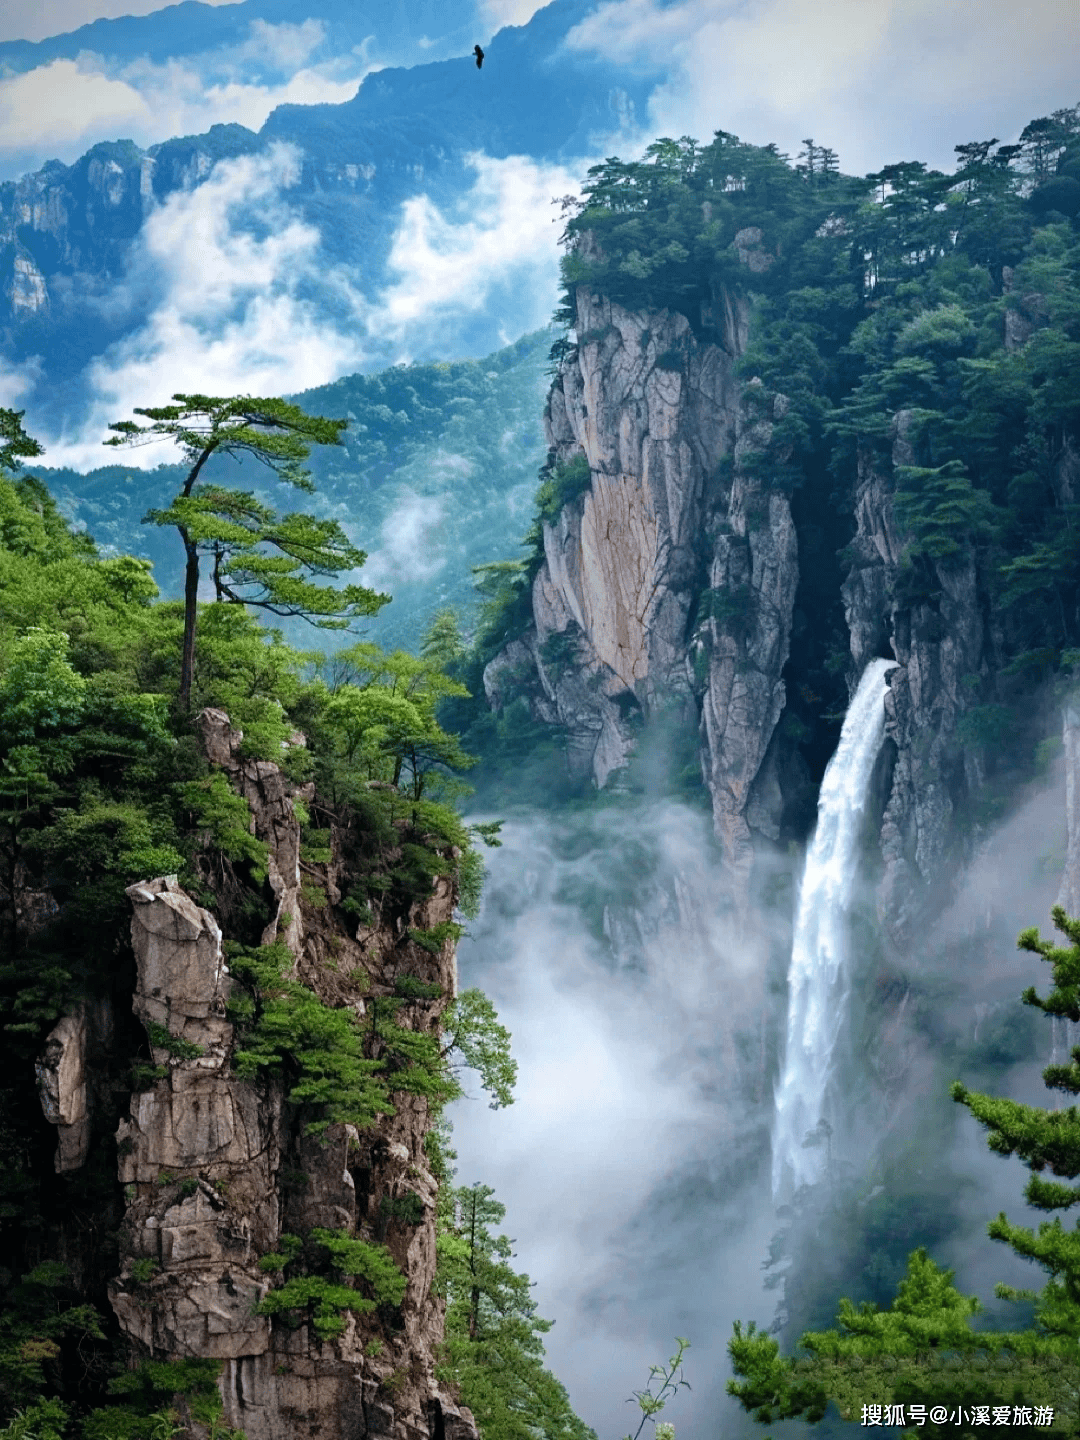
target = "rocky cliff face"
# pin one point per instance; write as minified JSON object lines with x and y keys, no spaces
{"x":671,"y":580}
{"x":670,"y":584}
{"x":216,"y":1168}
{"x":940,"y":646}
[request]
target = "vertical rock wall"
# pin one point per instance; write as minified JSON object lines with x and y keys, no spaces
{"x":216,"y":1168}
{"x":940,"y":649}
{"x":672,"y":535}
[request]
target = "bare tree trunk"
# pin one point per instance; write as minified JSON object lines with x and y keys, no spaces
{"x":191,"y":600}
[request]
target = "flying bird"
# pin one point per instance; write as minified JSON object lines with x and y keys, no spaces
{"x":479,"y":56}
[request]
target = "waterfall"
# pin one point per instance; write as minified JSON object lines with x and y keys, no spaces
{"x":818,"y":981}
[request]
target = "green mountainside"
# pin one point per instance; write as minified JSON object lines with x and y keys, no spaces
{"x":436,"y":475}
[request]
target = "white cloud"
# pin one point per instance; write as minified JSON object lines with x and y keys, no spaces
{"x":617,"y":1162}
{"x":499,"y":241}
{"x":229,"y":316}
{"x":17,"y":381}
{"x":498,"y":13}
{"x":411,"y":542}
{"x":261,"y":313}
{"x":878,"y":80}
{"x":285,"y":46}
{"x":58,"y":110}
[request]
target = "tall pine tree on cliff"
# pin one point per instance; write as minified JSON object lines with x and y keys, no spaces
{"x":260,"y":558}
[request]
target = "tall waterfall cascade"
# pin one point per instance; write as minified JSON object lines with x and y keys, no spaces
{"x":818,"y":978}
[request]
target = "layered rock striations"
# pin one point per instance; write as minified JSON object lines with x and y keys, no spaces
{"x":217,"y":1168}
{"x":670,"y":580}
{"x":940,"y":646}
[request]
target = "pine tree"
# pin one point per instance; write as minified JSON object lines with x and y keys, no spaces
{"x":15,"y":444}
{"x":1045,"y":1140}
{"x":923,"y":1350}
{"x":494,"y":1345}
{"x":239,"y":531}
{"x":809,"y":161}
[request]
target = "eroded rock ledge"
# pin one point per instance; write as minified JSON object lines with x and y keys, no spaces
{"x":215,"y":1171}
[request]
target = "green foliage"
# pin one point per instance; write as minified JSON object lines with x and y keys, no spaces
{"x":380,"y":718}
{"x":44,"y":1420}
{"x":494,"y":1348}
{"x":179,"y":1048}
{"x":260,"y":559}
{"x":471,"y":1029}
{"x":39,"y":692}
{"x":561,"y":485}
{"x":15,"y":444}
{"x":217,"y":808}
{"x":102,"y":783}
{"x":409,"y":1208}
{"x":325,"y":1300}
{"x":319,"y":1048}
{"x":651,"y":1403}
{"x":434,"y":940}
{"x":410,"y":987}
{"x":151,"y":1387}
{"x":941,"y":510}
{"x":1045,"y":1140}
{"x":985,"y":725}
{"x":924,"y":1348}
{"x":885,"y":312}
{"x":41,"y":1311}
{"x":421,"y":438}
{"x":470,"y":883}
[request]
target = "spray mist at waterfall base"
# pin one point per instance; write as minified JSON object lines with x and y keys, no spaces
{"x":634,"y":1163}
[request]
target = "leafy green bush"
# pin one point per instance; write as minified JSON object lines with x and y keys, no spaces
{"x":323,"y":1299}
{"x":561,"y":485}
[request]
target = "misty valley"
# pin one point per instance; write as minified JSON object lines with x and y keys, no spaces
{"x":539,"y":889}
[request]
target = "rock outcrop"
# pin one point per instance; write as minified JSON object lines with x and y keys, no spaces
{"x":1069,"y":894}
{"x":200,"y":1152}
{"x":217,"y":1168}
{"x":939,"y":646}
{"x":270,"y":799}
{"x":668,"y":584}
{"x":72,"y":1079}
{"x":62,"y":1088}
{"x":745,"y":637}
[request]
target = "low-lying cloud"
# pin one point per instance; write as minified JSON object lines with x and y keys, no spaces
{"x":228,"y":314}
{"x":411,"y":542}
{"x":497,"y":244}
{"x":229,"y":291}
{"x":637,"y":1138}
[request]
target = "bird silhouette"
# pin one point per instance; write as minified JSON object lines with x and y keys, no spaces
{"x":479,"y":56}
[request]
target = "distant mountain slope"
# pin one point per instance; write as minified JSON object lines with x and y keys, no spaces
{"x":73,"y":281}
{"x":437,"y":475}
{"x":191,"y":28}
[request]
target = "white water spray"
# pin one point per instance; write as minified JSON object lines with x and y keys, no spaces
{"x":818,"y":980}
